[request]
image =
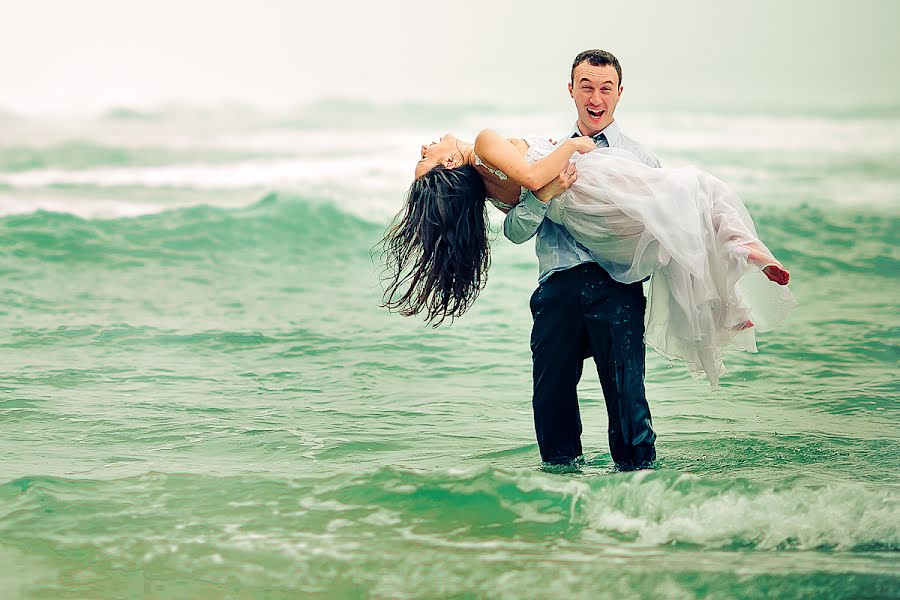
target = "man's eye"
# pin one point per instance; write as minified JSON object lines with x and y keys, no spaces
{"x":606,"y":90}
{"x":585,"y":89}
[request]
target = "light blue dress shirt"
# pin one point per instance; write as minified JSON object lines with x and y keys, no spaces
{"x":556,"y":249}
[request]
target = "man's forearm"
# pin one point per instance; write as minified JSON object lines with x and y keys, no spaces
{"x":523,"y":221}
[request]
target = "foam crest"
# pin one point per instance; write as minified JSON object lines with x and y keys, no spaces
{"x":660,"y":509}
{"x":280,"y":173}
{"x":648,"y":508}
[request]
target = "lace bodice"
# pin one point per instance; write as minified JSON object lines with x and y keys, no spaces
{"x":497,"y":172}
{"x":537,"y":148}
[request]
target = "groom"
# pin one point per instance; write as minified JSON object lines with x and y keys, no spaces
{"x":578,"y":309}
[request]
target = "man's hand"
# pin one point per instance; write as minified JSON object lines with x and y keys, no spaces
{"x":584,"y":144}
{"x":560,"y":183}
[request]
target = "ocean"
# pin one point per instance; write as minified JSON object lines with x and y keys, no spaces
{"x":200,"y":396}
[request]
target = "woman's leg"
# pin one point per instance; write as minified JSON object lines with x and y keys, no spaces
{"x":725,"y":215}
{"x":772,"y":269}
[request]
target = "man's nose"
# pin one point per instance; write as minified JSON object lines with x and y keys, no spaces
{"x":596,"y":97}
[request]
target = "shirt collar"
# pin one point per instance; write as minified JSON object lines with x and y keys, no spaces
{"x":612,"y":133}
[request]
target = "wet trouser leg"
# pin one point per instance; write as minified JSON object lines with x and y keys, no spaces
{"x":583,"y":312}
{"x":614,"y":323}
{"x":558,"y":360}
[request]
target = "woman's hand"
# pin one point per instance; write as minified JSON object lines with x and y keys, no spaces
{"x":584,"y":144}
{"x":560,"y":183}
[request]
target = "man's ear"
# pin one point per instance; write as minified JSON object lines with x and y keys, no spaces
{"x":571,"y":95}
{"x":621,"y":89}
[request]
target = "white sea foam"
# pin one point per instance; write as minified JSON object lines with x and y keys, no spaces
{"x":367,"y":171}
{"x":656,"y":512}
{"x":657,"y":508}
{"x":276,"y":173}
{"x":686,"y":131}
{"x":86,"y":208}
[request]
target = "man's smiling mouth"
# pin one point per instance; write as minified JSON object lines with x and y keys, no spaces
{"x":595,"y":113}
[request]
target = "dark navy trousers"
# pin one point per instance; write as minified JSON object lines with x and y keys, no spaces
{"x":581,"y":312}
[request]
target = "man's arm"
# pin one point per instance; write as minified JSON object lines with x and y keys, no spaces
{"x":522,"y":222}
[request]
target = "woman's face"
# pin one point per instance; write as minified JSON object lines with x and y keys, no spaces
{"x":444,"y":152}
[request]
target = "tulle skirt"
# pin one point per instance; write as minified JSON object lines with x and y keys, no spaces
{"x":690,"y":232}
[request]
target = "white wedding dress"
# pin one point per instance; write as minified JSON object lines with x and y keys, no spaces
{"x":690,"y":232}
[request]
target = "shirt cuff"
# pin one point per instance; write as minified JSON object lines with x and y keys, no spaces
{"x":534,"y":204}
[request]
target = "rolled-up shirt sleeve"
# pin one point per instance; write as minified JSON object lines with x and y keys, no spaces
{"x":522,"y":222}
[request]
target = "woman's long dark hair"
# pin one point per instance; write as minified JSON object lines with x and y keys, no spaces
{"x":437,"y":252}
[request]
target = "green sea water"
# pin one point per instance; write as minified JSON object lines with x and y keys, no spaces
{"x":200,"y":397}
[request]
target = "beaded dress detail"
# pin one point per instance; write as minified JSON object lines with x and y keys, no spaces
{"x":537,"y":148}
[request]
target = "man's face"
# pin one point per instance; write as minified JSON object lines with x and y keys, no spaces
{"x":596,"y":92}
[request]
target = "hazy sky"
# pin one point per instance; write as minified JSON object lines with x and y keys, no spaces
{"x":77,"y":55}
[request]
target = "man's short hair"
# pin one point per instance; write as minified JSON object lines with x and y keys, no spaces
{"x":596,"y":58}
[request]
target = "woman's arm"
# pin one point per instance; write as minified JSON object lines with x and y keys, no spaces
{"x":500,"y":153}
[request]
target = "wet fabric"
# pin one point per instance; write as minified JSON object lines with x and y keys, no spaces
{"x":578,"y":312}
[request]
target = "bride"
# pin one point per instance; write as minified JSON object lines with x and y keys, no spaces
{"x":682,"y":225}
